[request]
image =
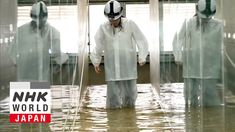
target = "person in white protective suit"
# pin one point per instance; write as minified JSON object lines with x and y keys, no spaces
{"x":198,"y":45}
{"x":116,"y":39}
{"x":36,"y":42}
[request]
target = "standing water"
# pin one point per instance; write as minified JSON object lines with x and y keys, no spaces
{"x":164,"y":112}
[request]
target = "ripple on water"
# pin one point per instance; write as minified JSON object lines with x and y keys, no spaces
{"x":165,"y":112}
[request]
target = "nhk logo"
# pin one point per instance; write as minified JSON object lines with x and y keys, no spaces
{"x":30,"y":102}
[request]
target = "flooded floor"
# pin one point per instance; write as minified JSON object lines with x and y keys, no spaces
{"x":152,"y":113}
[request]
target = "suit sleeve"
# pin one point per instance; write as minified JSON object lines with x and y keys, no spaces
{"x":96,"y":54}
{"x":140,"y":40}
{"x":178,"y":42}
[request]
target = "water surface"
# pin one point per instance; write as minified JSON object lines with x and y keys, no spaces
{"x":153,"y":113}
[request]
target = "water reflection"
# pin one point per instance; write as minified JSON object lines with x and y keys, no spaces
{"x":122,"y":118}
{"x":152,"y":113}
{"x":148,"y":115}
{"x":205,"y":119}
{"x":5,"y":126}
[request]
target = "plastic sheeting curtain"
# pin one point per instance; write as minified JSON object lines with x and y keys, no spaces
{"x":61,"y":37}
{"x":7,"y":36}
{"x":154,"y":45}
{"x":82,"y":64}
{"x":55,"y":53}
{"x":83,"y":43}
{"x":8,"y":20}
{"x":192,"y":62}
{"x":226,"y":9}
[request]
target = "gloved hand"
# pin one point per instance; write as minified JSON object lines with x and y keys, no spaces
{"x":97,"y":69}
{"x":142,"y":63}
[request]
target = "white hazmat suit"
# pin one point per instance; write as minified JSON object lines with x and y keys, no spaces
{"x":198,"y":46}
{"x":118,"y":45}
{"x":34,"y":47}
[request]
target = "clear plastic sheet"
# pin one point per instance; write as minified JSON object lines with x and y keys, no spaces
{"x":206,"y":95}
{"x":55,"y":53}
